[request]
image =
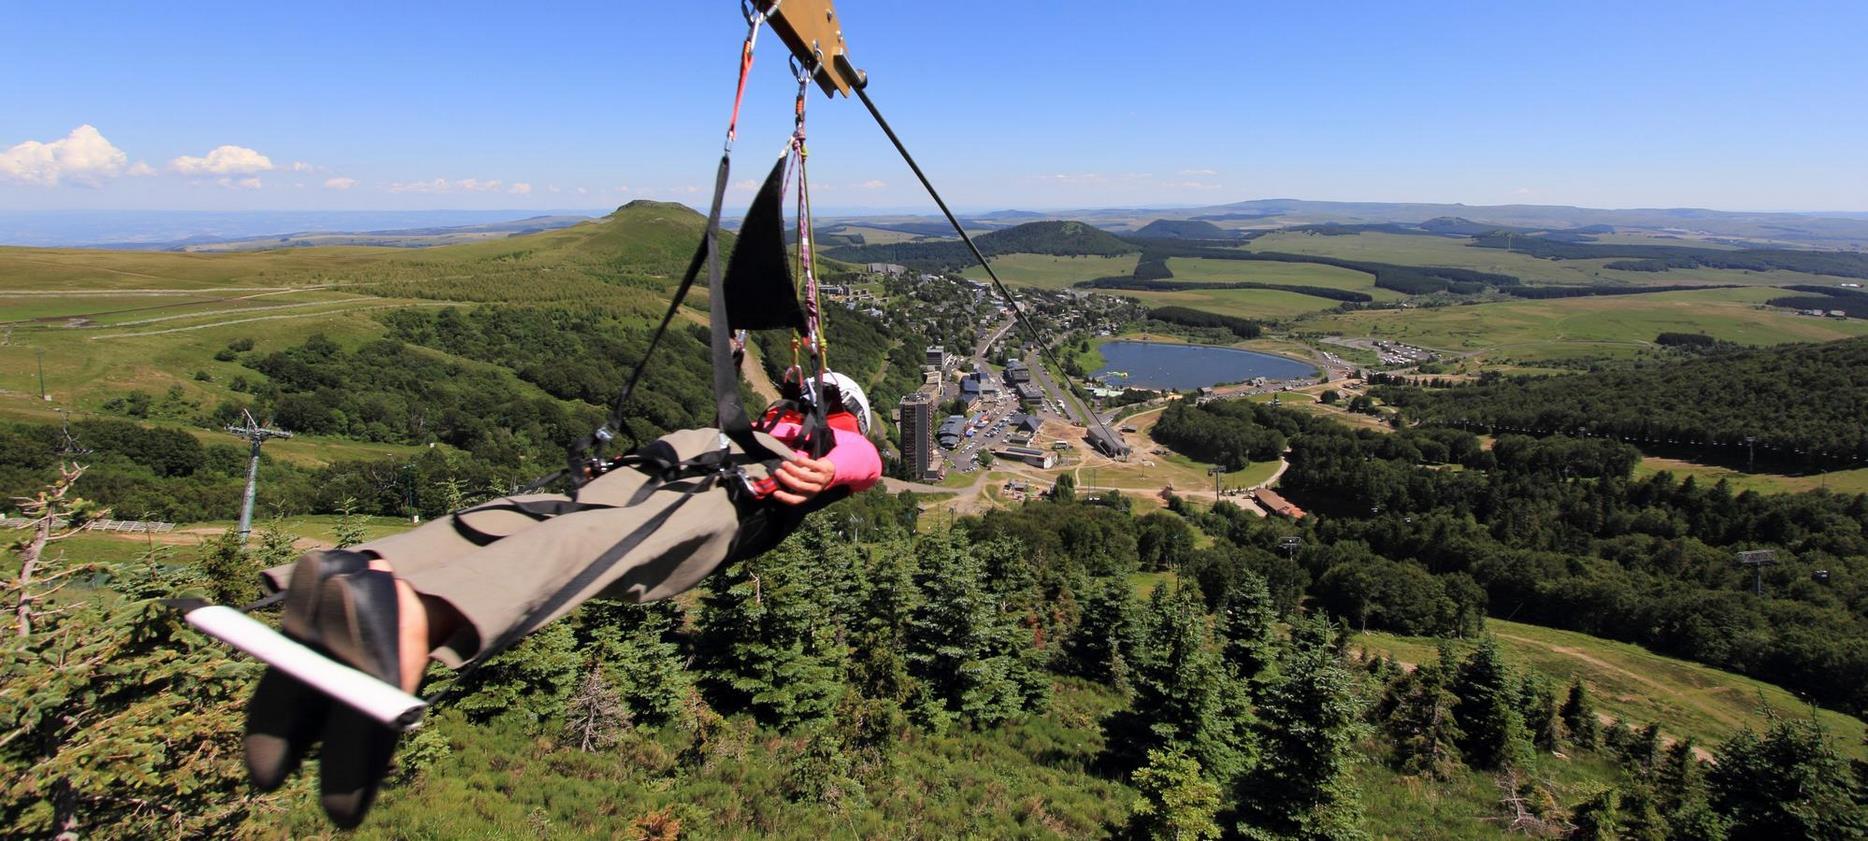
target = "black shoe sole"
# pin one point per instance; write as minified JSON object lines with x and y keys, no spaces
{"x":285,"y":717}
{"x":358,"y":621}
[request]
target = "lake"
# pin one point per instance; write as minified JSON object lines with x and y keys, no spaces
{"x":1182,"y":367}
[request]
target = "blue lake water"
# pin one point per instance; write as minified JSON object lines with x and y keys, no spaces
{"x":1181,"y":367}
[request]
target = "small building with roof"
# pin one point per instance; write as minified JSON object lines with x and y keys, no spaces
{"x":1275,"y":503}
{"x":1106,"y":442}
{"x":951,"y":431}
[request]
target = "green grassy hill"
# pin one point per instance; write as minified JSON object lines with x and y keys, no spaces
{"x":1063,"y":238}
{"x":108,"y":322}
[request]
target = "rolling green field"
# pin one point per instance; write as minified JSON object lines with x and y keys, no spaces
{"x":1838,"y":481}
{"x":1297,"y":274}
{"x":1686,"y":698}
{"x":1045,"y":271}
{"x":1607,"y":326}
{"x":873,"y":236}
{"x":1243,"y":303}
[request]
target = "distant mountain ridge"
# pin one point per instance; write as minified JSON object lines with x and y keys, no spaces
{"x":159,"y":230}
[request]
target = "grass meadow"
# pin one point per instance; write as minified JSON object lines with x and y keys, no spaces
{"x":1602,"y":326}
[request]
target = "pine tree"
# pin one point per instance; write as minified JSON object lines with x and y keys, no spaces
{"x":635,"y":647}
{"x":1248,"y":624}
{"x":1579,"y":717}
{"x":232,"y":576}
{"x":350,"y":529}
{"x":1641,"y":751}
{"x":1641,"y":814}
{"x":1176,"y":802}
{"x":1599,"y":818}
{"x":1681,"y":777}
{"x":1787,"y":783}
{"x":1488,"y":711}
{"x":878,"y":667}
{"x":1309,"y":720}
{"x":116,"y":719}
{"x":767,"y":644}
{"x":1104,"y":641}
{"x":1538,"y":704}
{"x":1184,"y":697}
{"x":529,"y":681}
{"x":965,"y":654}
{"x":1420,"y":719}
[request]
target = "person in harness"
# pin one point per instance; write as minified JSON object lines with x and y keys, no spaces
{"x":640,"y":527}
{"x":464,"y":587}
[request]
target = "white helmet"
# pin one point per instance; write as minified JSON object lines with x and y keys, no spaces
{"x":854,"y":400}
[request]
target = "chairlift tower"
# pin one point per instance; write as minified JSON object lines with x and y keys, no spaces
{"x":1290,"y":545}
{"x":1751,"y":453}
{"x":1758,"y":559}
{"x":252,"y":431}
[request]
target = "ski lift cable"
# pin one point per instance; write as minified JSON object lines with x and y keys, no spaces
{"x":1044,"y":349}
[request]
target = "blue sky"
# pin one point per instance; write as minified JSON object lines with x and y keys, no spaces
{"x":1014,"y":103}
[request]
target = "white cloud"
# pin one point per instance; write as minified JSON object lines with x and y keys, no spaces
{"x":1198,"y":172}
{"x":81,"y":157}
{"x":873,"y":184}
{"x":223,"y":160}
{"x":553,"y":188}
{"x":301,"y":166}
{"x":583,"y":191}
{"x":339,"y":183}
{"x":439,"y":185}
{"x":466,"y":185}
{"x":140,"y":169}
{"x":248,"y":183}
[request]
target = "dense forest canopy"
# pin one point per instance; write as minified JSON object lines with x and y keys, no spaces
{"x":1659,"y":258}
{"x":1803,"y":404}
{"x":1557,"y":533}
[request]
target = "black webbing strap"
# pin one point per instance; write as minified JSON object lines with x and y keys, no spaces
{"x":729,"y":411}
{"x":657,"y":461}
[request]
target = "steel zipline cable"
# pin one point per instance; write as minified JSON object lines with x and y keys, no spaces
{"x":1018,"y":313}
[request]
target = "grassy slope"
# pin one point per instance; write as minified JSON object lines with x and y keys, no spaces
{"x":1298,"y":274}
{"x":1686,"y":698}
{"x":158,"y":318}
{"x":1243,"y":303}
{"x":1838,"y":481}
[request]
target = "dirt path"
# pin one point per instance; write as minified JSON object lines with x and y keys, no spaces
{"x":230,"y":322}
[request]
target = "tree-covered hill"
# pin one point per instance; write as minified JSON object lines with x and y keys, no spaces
{"x":1184,"y":229}
{"x":1803,"y":404}
{"x":1062,"y":238}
